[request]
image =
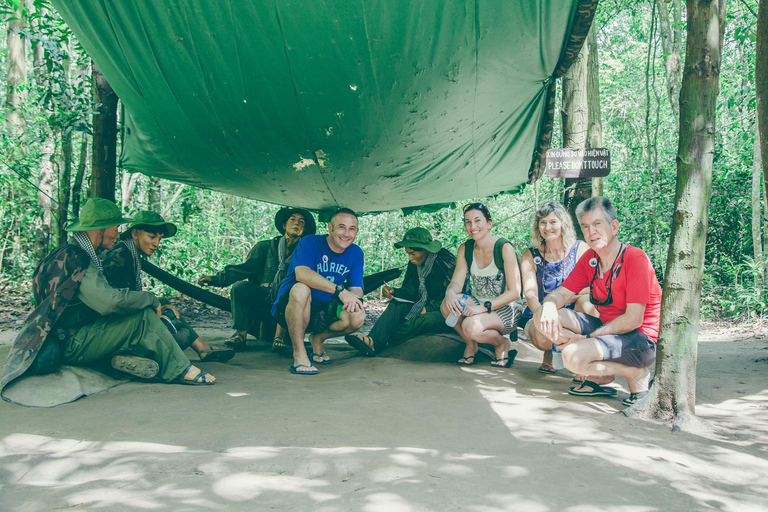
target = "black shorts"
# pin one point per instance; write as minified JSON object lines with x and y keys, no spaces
{"x":320,"y":317}
{"x":633,"y":349}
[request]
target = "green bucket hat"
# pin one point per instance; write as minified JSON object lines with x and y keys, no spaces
{"x":97,"y":214}
{"x":149,"y":219}
{"x":283,"y":214}
{"x":419,"y":238}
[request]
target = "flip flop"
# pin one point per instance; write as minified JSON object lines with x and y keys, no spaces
{"x":198,"y":380}
{"x":578,"y":379}
{"x":294,"y":369}
{"x":359,"y":343}
{"x":216,"y":355}
{"x":596,"y":390}
{"x":547,"y":368}
{"x":321,"y":361}
{"x":466,"y":361}
{"x":510,"y":359}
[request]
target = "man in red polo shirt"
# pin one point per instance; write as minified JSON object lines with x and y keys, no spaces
{"x":624,"y":288}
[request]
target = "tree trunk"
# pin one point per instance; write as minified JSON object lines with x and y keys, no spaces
{"x":595,"y":127}
{"x":128,"y":189}
{"x":761,"y":84}
{"x":65,"y":177}
{"x":43,"y":225}
{"x":757,"y":217}
{"x":77,"y":186}
{"x":575,"y":119}
{"x":673,"y":395}
{"x":154,"y":194}
{"x":65,"y":169}
{"x":670,"y":44}
{"x":104,"y":162}
{"x":16,"y":73}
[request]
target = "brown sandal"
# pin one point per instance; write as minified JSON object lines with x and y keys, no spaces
{"x":236,"y":342}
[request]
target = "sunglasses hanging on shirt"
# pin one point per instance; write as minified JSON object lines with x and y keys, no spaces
{"x":608,"y":283}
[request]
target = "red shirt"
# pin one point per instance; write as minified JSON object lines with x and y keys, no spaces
{"x":636,"y":269}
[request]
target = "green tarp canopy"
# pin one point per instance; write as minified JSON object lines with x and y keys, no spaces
{"x":374,"y":105}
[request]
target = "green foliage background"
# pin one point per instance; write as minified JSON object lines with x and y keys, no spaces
{"x":216,"y":229}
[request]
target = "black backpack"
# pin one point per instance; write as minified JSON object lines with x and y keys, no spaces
{"x":498,"y":259}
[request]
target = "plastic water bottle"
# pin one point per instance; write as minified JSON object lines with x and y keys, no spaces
{"x":557,"y":358}
{"x":452,"y":319}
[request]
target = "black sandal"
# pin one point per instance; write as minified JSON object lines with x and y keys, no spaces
{"x":236,"y":342}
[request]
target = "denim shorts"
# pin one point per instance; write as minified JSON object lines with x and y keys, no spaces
{"x":633,"y":349}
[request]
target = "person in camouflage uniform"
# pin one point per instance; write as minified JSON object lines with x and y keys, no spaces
{"x":79,"y":318}
{"x":430,"y":268}
{"x":122,"y":267}
{"x":252,"y":295}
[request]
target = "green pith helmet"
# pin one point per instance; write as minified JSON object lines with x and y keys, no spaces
{"x":97,"y":214}
{"x":152,"y":219}
{"x":419,"y":238}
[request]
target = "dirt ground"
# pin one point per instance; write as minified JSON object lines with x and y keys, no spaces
{"x":407,"y":432}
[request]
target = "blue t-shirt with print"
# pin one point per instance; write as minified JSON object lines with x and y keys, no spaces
{"x":313,"y":252}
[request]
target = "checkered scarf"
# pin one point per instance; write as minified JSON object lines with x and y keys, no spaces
{"x":82,"y":238}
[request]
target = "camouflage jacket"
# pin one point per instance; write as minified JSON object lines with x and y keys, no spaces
{"x":54,"y":284}
{"x":436,"y":281}
{"x":120,"y":267}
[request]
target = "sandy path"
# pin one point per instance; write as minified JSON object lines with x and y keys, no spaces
{"x":388,"y":434}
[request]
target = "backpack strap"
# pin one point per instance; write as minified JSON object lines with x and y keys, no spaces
{"x":498,"y":258}
{"x":469,"y":251}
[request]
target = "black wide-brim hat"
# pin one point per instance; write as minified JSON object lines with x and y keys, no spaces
{"x":282,"y":216}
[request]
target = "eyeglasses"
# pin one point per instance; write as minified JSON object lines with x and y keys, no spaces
{"x":609,"y":283}
{"x":475,"y":206}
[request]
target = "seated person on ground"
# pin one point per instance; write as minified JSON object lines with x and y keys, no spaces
{"x":122,"y":267}
{"x":487,"y":271}
{"x":257,"y":280}
{"x":429,"y":271}
{"x":313,"y":296}
{"x":624,"y":288}
{"x":85,"y":319}
{"x":553,"y":253}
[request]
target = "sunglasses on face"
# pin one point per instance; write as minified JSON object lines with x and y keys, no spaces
{"x":609,"y":283}
{"x":475,"y":206}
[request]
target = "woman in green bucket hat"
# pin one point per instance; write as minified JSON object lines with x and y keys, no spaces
{"x":122,"y":266}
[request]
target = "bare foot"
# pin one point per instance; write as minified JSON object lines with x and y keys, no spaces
{"x":503,"y":359}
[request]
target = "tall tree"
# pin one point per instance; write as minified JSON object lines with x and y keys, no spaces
{"x":761,"y":84}
{"x":104,"y":161}
{"x":595,"y":123}
{"x":16,"y":71}
{"x":671,"y":44}
{"x":673,"y":396}
{"x":44,"y":223}
{"x":575,"y":121}
{"x":757,"y":217}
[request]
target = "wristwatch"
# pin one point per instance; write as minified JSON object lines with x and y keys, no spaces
{"x":339,"y":289}
{"x":488,"y":305}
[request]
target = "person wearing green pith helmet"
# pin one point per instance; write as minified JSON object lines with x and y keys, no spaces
{"x":255,"y":282}
{"x":80,"y":318}
{"x":415,"y":306}
{"x":122,"y":266}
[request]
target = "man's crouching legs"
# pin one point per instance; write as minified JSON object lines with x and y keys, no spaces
{"x":297,"y":315}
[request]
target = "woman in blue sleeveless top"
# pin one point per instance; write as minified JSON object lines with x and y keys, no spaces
{"x":553,"y":253}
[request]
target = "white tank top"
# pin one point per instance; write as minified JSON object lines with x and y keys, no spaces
{"x":487,"y":283}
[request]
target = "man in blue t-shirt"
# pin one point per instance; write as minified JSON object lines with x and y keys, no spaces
{"x":313,"y":296}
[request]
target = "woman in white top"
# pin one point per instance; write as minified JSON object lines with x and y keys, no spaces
{"x":489,"y":314}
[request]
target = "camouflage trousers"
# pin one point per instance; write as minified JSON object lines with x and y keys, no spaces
{"x":141,"y":333}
